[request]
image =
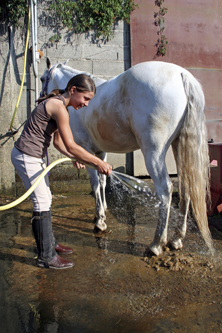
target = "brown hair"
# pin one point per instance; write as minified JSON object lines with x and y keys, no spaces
{"x":82,"y":82}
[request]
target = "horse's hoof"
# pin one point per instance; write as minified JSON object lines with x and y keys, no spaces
{"x":148,"y":253}
{"x":176,"y":244}
{"x":156,"y":249}
{"x":97,"y":231}
{"x":101,"y":226}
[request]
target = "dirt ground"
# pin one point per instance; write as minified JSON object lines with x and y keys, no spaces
{"x":114,"y":286}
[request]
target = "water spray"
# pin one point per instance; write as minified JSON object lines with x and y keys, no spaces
{"x":132,"y":182}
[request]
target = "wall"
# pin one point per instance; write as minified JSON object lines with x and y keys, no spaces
{"x":104,"y":60}
{"x":193,"y":29}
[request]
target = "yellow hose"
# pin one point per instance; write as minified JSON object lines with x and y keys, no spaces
{"x":24,"y":67}
{"x":123,"y":178}
{"x":24,"y":196}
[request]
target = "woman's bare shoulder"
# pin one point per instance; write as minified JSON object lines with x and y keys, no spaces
{"x":55,"y":106}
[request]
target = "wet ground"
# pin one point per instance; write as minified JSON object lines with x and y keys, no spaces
{"x":112,"y":287}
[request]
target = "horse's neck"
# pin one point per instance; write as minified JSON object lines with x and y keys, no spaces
{"x":60,"y":80}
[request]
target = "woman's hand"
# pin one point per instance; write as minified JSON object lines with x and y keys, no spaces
{"x":78,"y":165}
{"x":104,"y":168}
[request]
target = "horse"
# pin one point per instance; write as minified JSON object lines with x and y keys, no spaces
{"x":150,"y":106}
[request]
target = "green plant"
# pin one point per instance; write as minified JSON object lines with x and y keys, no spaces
{"x":83,"y":15}
{"x":78,"y":16}
{"x":160,"y":22}
{"x":11,"y":11}
{"x":55,"y":38}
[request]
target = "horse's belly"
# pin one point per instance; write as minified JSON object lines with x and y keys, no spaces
{"x":113,"y":140}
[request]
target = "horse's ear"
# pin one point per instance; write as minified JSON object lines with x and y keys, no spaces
{"x":48,"y":63}
{"x":65,"y":62}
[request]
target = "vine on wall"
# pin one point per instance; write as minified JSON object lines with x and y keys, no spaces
{"x":160,"y":22}
{"x":11,"y":11}
{"x":81,"y":16}
{"x":78,"y":16}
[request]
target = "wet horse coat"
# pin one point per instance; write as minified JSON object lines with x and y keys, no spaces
{"x":150,"y":106}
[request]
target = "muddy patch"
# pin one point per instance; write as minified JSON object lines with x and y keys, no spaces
{"x":113,"y":287}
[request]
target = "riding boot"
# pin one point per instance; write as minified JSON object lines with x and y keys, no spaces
{"x":47,"y":256}
{"x":61,"y":249}
{"x":52,"y":236}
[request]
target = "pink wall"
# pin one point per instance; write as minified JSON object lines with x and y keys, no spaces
{"x":194,"y":33}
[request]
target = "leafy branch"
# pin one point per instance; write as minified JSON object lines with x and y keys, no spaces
{"x":11,"y":11}
{"x":160,"y":22}
{"x":80,"y":16}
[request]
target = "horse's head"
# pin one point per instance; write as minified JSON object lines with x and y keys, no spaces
{"x":57,"y":77}
{"x":52,"y":78}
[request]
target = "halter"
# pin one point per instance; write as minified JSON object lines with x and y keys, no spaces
{"x":44,"y":90}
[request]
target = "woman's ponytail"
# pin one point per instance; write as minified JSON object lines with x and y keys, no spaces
{"x":53,"y":93}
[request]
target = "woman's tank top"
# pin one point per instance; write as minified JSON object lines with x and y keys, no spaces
{"x":37,"y":133}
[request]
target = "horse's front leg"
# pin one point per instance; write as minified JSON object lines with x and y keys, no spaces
{"x":102,"y":181}
{"x":95,"y":182}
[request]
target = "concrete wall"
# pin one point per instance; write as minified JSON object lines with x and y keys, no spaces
{"x":11,"y":68}
{"x":104,"y":60}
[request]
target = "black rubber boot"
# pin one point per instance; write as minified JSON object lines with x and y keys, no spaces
{"x":52,"y":236}
{"x":61,"y":249}
{"x":42,"y":230}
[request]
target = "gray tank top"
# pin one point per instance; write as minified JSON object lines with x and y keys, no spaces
{"x":37,"y":133}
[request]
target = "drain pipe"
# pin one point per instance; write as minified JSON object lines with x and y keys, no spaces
{"x":35,"y":54}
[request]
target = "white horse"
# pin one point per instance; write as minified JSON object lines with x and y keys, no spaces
{"x":150,"y":106}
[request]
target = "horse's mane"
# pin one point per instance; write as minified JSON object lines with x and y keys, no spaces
{"x":75,"y":71}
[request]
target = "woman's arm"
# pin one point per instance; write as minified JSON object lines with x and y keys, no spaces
{"x":59,"y":145}
{"x":58,"y":112}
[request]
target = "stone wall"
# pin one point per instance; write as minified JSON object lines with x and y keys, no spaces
{"x":105,"y":60}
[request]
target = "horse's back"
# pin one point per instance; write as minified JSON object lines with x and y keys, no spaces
{"x":159,"y":69}
{"x":148,"y":100}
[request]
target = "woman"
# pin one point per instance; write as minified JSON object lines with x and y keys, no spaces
{"x":49,"y":118}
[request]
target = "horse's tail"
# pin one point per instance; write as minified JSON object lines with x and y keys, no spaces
{"x":193,"y":156}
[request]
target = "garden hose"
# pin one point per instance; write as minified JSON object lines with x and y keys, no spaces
{"x":23,"y":76}
{"x":38,"y":180}
{"x":129,"y":181}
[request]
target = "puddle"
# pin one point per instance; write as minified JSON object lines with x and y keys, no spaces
{"x":112,"y":287}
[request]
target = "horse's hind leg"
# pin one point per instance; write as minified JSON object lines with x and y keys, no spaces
{"x":157,"y":170}
{"x":180,"y":232}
